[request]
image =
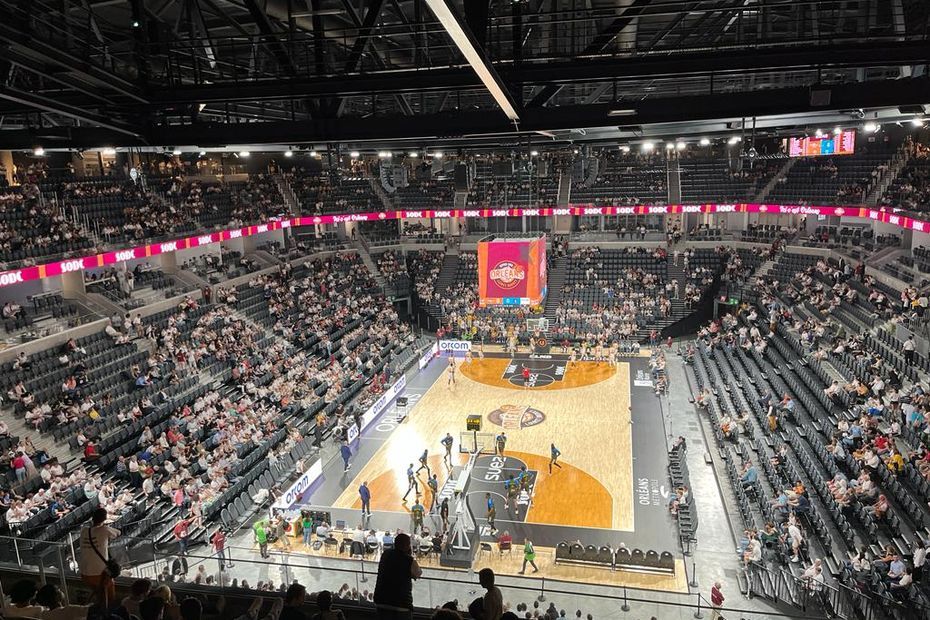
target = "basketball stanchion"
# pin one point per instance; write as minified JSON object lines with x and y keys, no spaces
{"x":626,"y":604}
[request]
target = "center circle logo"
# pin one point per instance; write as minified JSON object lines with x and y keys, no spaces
{"x":507,"y":274}
{"x":516,"y":416}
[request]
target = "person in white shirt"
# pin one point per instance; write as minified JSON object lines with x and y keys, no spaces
{"x":95,"y":550}
{"x":796,"y":539}
{"x":919,"y":559}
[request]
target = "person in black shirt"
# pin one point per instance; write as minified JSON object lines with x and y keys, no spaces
{"x":394,"y":587}
{"x":293,"y":601}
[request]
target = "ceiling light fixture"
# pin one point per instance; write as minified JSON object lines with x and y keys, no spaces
{"x":622,"y":112}
{"x":647,"y":146}
{"x":625,"y":148}
{"x":917,"y":122}
{"x":288,"y":153}
{"x":733,"y":140}
{"x":680,"y":145}
{"x":109,"y":151}
{"x":312,"y":153}
{"x":176,"y":152}
{"x":38,"y":151}
{"x":437,"y":155}
{"x":534,"y":153}
{"x":203,"y":153}
{"x":413,"y":154}
{"x":244,"y":153}
{"x":669,"y":146}
{"x":705,"y":141}
{"x":871,"y":127}
{"x":464,"y":41}
{"x":354,"y":154}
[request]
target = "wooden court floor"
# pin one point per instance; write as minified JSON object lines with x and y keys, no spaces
{"x":588,"y":420}
{"x":510,"y":563}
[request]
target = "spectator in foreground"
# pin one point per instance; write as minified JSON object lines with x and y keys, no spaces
{"x":394,"y":587}
{"x":293,"y":601}
{"x":324,"y":600}
{"x":95,"y":553}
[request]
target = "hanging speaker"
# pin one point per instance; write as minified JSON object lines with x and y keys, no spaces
{"x":461,"y":178}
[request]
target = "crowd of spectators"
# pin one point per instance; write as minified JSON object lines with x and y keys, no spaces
{"x":31,"y":228}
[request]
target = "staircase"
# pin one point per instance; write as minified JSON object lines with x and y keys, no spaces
{"x":895,"y":166}
{"x":287,"y":192}
{"x":446,"y":276}
{"x":387,"y":203}
{"x":565,"y":188}
{"x":675,"y":272}
{"x":461,"y":200}
{"x":782,"y":173}
{"x":370,"y":263}
{"x":554,"y":286}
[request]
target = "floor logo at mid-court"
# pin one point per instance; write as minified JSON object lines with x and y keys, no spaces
{"x":544,"y":370}
{"x":516,"y":416}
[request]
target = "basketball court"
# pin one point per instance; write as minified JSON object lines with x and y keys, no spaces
{"x":605,"y":420}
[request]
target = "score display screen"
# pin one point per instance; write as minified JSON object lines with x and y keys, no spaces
{"x":842,"y":143}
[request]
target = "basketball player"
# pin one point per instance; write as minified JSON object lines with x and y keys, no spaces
{"x":423,"y":463}
{"x":553,"y":457}
{"x":512,"y":488}
{"x":526,"y":378}
{"x":433,"y":483}
{"x":468,"y":357}
{"x":492,"y":512}
{"x":450,"y":373}
{"x":500,"y":442}
{"x":574,"y":357}
{"x":447,"y":442}
{"x":584,"y":350}
{"x":417,"y":512}
{"x":523,"y":479}
{"x":411,"y":483}
{"x":598,"y":353}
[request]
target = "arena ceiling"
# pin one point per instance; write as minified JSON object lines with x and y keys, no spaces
{"x":210,"y":73}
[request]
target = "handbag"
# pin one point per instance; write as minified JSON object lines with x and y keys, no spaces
{"x":113,"y":567}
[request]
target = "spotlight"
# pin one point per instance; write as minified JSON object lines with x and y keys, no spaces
{"x":438,"y":154}
{"x":917,"y":122}
{"x":705,"y":141}
{"x":626,"y":149}
{"x":244,"y":153}
{"x":413,"y":154}
{"x":733,"y":140}
{"x":109,"y":151}
{"x":203,"y":153}
{"x":384,"y":154}
{"x":647,"y":146}
{"x":312,"y":153}
{"x":669,"y":146}
{"x":871,"y":127}
{"x":176,"y":152}
{"x":575,"y":151}
{"x":135,"y":23}
{"x":354,"y":154}
{"x":38,"y":151}
{"x":680,"y":145}
{"x":534,"y":153}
